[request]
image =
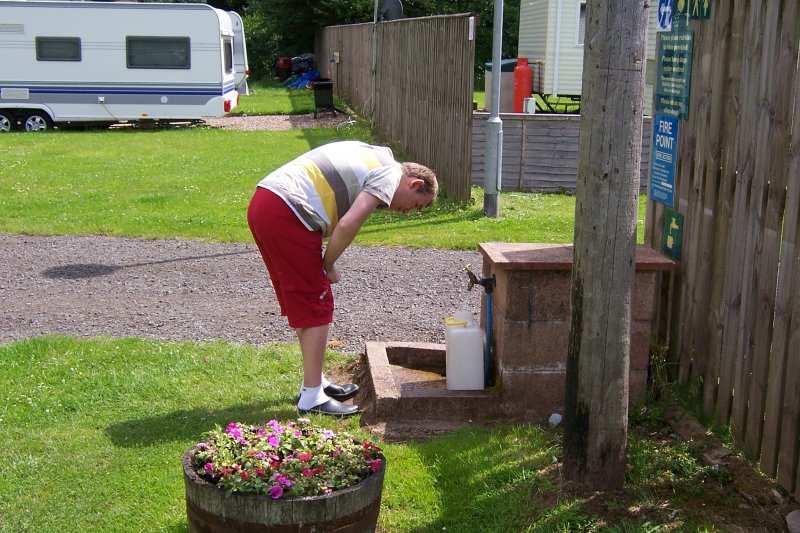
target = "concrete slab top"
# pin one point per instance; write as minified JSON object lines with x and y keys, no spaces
{"x":537,"y":256}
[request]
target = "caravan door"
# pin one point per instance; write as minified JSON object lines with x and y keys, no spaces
{"x":240,"y":68}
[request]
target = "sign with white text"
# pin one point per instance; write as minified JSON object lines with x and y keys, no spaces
{"x":664,"y":159}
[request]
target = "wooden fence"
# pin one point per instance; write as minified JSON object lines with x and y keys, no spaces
{"x":731,"y":315}
{"x":420,"y":98}
{"x":540,"y":152}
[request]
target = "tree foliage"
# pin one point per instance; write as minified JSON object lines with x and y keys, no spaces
{"x":288,"y":27}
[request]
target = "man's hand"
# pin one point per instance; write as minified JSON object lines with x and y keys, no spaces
{"x":333,"y":275}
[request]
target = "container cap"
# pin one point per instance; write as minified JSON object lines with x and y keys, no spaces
{"x":452,"y":322}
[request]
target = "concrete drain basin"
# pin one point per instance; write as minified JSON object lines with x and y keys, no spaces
{"x":406,"y":381}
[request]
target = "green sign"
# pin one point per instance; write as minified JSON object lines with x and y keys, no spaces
{"x":700,"y":9}
{"x":674,"y":72}
{"x":672,"y":238}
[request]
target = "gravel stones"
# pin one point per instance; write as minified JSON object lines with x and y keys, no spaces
{"x":276,"y":122}
{"x":193,"y":290}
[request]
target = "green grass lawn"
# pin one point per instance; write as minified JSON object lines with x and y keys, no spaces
{"x":93,"y":432}
{"x":272,"y":98}
{"x":195,"y":183}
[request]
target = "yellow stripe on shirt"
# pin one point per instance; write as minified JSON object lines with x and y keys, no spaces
{"x":370,"y":159}
{"x":323,"y":189}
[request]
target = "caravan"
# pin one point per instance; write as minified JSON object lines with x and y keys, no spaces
{"x":110,"y":62}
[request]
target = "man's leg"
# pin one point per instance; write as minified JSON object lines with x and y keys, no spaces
{"x":312,"y":345}
{"x":313,"y":397}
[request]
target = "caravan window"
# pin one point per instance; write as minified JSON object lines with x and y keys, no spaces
{"x":227,"y":48}
{"x":58,"y":49}
{"x":158,"y":52}
{"x":581,"y":22}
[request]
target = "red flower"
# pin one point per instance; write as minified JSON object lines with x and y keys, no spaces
{"x":244,"y":475}
{"x":307,"y":472}
{"x":304,"y":456}
{"x":375,"y":465}
{"x":260,"y":472}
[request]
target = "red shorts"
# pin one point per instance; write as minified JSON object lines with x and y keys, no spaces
{"x":293,"y":255}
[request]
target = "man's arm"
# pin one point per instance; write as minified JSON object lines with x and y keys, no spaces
{"x":347,"y":228}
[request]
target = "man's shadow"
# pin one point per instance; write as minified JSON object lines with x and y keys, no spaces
{"x":91,"y":270}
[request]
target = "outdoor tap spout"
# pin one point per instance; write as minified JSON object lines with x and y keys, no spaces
{"x":487,"y":283}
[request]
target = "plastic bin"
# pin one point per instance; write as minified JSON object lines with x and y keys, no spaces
{"x":323,"y":95}
{"x":506,"y":85}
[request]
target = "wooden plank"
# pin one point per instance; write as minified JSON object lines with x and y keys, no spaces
{"x":753,"y":342}
{"x":727,"y":125}
{"x":684,"y":194}
{"x":730,"y":363}
{"x":696,"y":260}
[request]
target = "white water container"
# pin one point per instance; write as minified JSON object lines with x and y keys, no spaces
{"x":464,"y":355}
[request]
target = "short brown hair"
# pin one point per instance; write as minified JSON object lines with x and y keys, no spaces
{"x":415,"y":170}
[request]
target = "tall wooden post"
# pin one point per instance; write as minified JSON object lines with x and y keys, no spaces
{"x":596,"y":421}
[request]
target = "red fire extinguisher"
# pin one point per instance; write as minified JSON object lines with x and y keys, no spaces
{"x":523,"y":83}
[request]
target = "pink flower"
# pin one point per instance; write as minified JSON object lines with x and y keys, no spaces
{"x":209,"y":468}
{"x":275,"y":491}
{"x":274,"y":441}
{"x":275,"y":426}
{"x":261,"y":456}
{"x":226,"y":471}
{"x":307,"y":472}
{"x":304,"y":456}
{"x":375,"y":465}
{"x":244,"y":475}
{"x":235,"y":431}
{"x":260,"y":472}
{"x":284,"y":481}
{"x":327,"y":434}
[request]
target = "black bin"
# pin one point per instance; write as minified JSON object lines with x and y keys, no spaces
{"x":323,"y":95}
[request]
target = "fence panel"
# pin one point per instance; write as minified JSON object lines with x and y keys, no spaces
{"x":540,"y":152}
{"x":420,"y":97}
{"x":732,"y":312}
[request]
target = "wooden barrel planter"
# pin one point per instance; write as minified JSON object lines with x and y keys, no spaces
{"x":212,"y":510}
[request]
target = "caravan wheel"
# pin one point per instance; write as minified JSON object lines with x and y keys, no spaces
{"x":38,"y":121}
{"x":6,"y":122}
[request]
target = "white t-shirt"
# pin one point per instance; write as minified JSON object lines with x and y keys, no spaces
{"x":321,"y":185}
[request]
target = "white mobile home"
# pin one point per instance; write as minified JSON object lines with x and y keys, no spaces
{"x":552,"y":31}
{"x":109,"y":62}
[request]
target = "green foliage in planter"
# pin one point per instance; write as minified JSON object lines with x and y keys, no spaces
{"x":284,"y":460}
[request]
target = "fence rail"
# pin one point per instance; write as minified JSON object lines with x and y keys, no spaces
{"x":420,"y":97}
{"x":731,"y":315}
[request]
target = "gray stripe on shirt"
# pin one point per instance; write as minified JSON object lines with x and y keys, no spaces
{"x":334,"y":180}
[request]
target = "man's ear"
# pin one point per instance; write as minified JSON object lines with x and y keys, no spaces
{"x":416,"y":184}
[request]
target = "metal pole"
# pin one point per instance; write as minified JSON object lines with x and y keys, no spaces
{"x":374,"y":60}
{"x":494,"y":126}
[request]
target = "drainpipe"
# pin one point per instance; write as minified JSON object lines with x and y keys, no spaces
{"x":557,"y":59}
{"x":488,"y":285}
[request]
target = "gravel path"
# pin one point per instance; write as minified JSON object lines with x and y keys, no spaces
{"x":277,"y":122}
{"x":193,"y":290}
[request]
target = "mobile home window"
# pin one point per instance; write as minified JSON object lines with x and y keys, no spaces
{"x":158,"y":52}
{"x":581,"y":21}
{"x":227,"y":49}
{"x":58,"y":49}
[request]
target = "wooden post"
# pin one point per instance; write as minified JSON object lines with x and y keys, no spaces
{"x":596,"y":425}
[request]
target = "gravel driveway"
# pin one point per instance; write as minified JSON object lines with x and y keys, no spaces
{"x":192,"y":290}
